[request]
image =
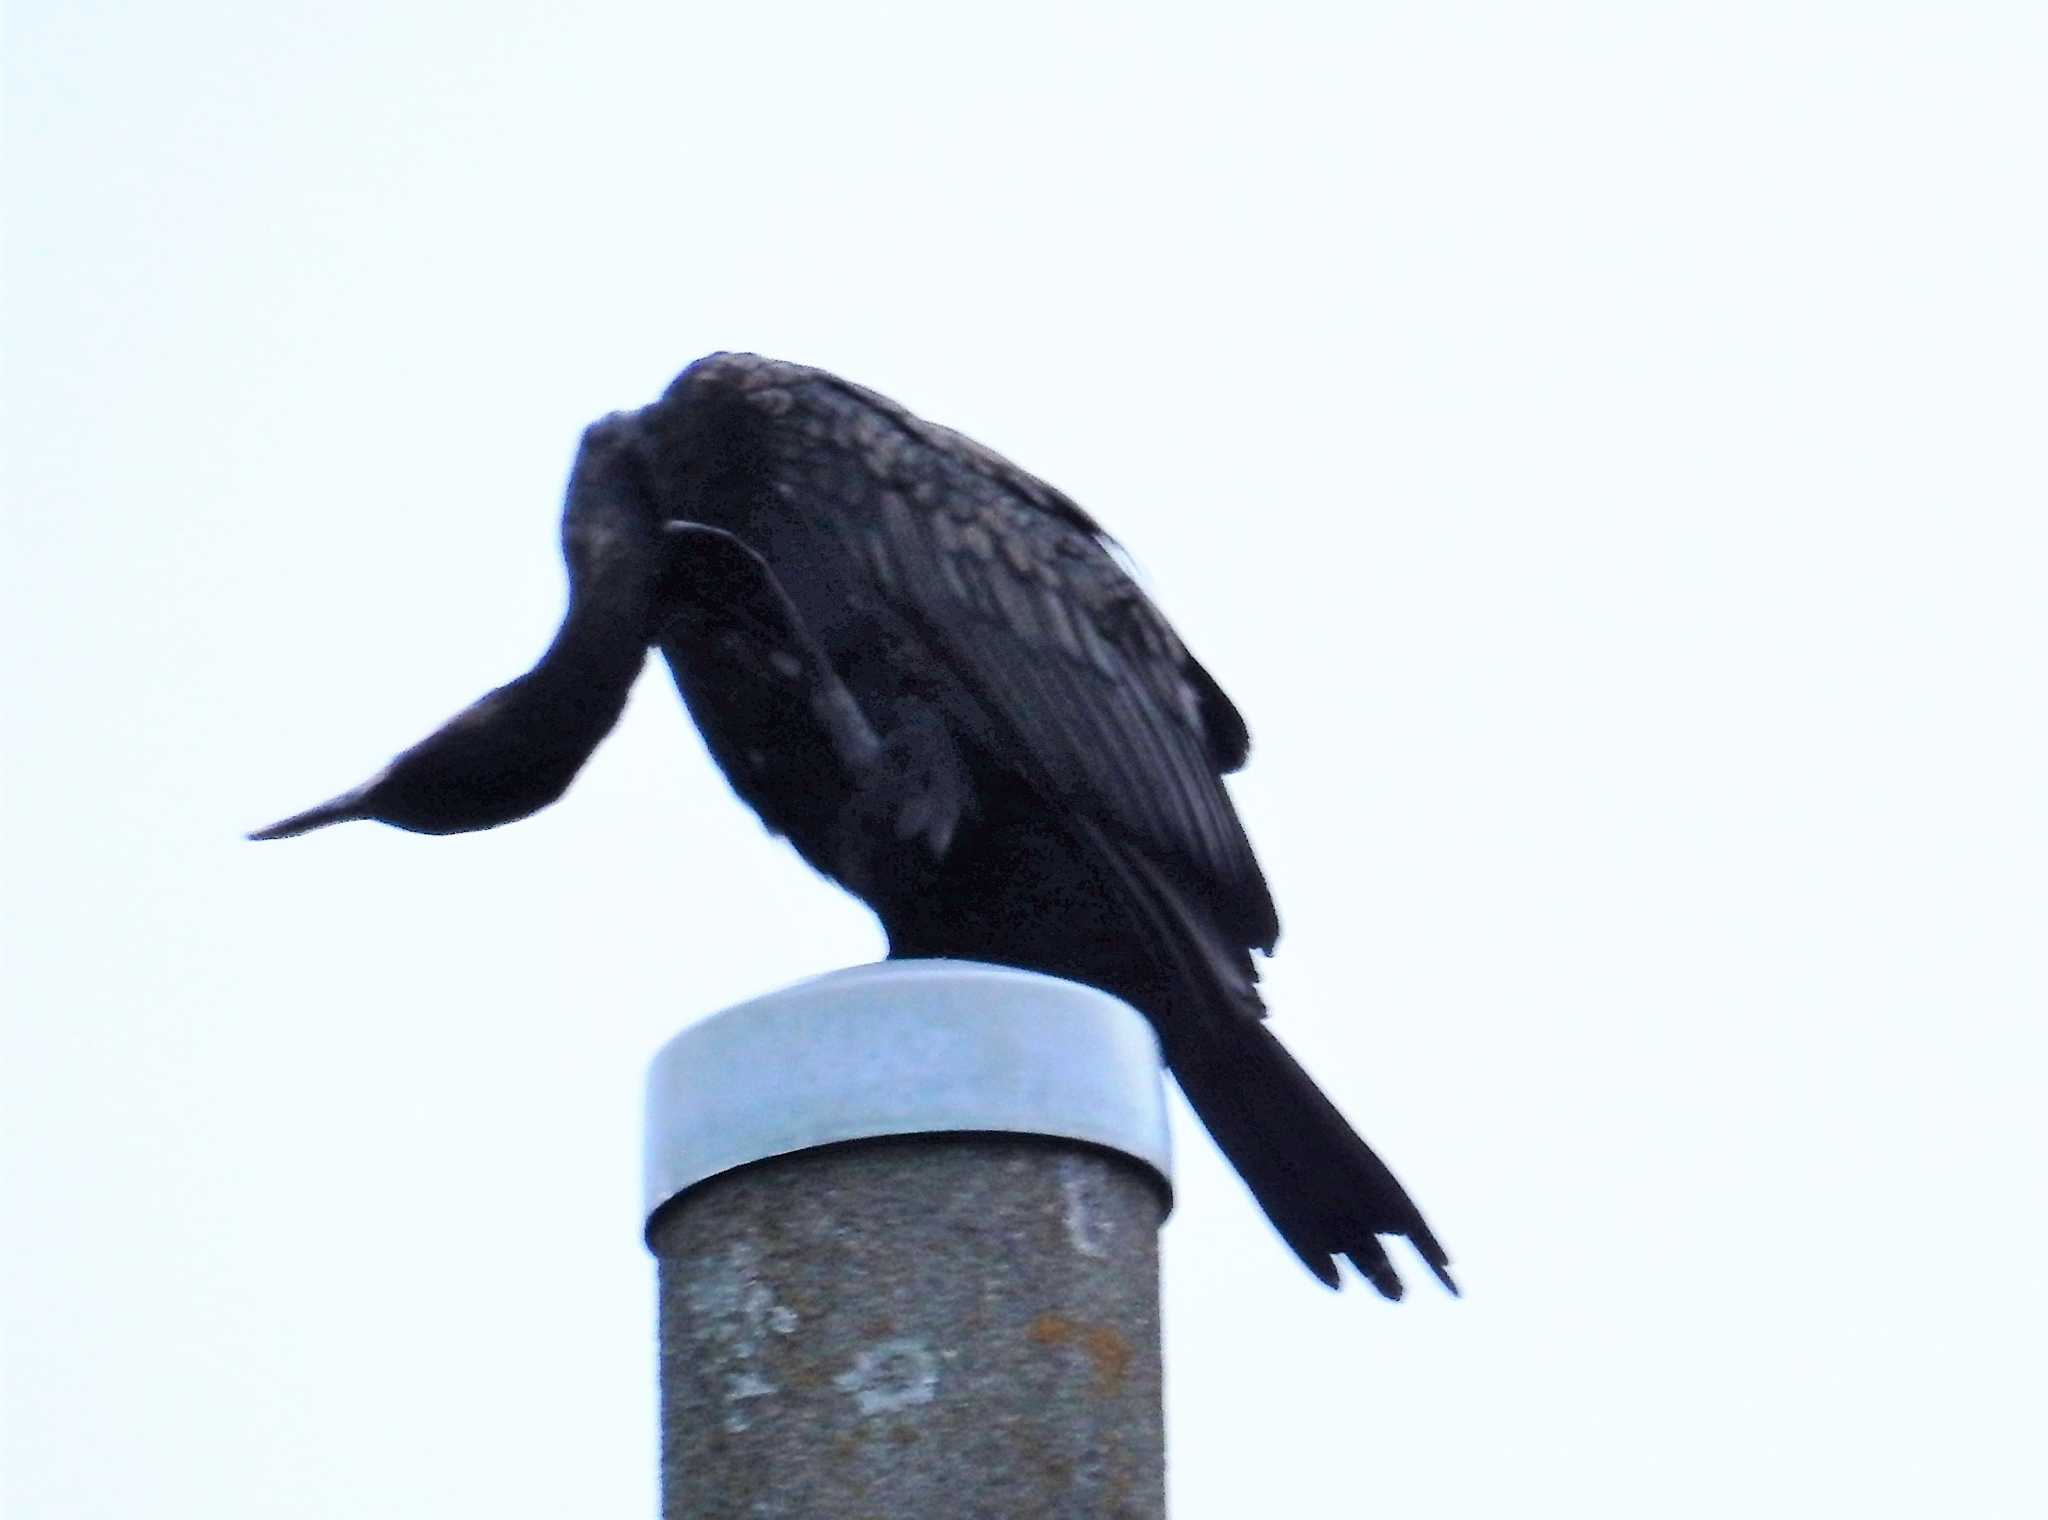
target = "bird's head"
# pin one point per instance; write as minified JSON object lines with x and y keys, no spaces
{"x":491,"y":763}
{"x":516,"y":749}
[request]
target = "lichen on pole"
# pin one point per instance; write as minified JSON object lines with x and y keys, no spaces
{"x":906,"y":1220}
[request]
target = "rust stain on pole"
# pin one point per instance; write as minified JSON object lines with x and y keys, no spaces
{"x":947,"y":1322}
{"x":861,"y":1330}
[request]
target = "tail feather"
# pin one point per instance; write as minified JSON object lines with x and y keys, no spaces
{"x":1325,"y":1191}
{"x":1322,"y":1186}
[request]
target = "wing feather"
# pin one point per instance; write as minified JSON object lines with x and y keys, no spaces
{"x":1074,"y":675}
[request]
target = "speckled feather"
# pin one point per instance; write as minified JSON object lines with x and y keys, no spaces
{"x":925,"y":668}
{"x":1049,"y":788}
{"x":1014,"y":588}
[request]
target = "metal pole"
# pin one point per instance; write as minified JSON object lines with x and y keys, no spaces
{"x":906,"y":1219}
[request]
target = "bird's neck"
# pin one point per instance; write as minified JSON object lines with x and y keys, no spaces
{"x":583,"y":678}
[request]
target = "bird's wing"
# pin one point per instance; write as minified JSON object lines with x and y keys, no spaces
{"x":1012,"y":588}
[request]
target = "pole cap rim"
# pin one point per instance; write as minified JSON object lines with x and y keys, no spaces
{"x":903,"y":1048}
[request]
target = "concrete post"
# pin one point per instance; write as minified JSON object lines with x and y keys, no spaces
{"x":906,"y":1219}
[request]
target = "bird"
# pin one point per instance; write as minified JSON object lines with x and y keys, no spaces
{"x":934,"y":676}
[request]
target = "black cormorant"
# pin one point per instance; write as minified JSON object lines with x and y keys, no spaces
{"x":927,"y":670}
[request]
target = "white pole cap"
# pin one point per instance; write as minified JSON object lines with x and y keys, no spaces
{"x":903,"y":1048}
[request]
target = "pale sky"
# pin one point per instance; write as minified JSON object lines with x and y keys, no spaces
{"x":1599,"y":448}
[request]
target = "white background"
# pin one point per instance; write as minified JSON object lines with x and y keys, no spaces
{"x":1598,"y":446}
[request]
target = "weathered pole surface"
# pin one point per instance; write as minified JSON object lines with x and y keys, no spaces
{"x":906,"y":1219}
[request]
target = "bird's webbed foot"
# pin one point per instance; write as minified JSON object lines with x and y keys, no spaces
{"x":908,"y":800}
{"x":749,"y":670}
{"x":868,"y":796}
{"x":919,"y":784}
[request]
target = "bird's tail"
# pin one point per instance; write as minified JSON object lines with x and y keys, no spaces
{"x":1325,"y":1191}
{"x":1321,"y":1185}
